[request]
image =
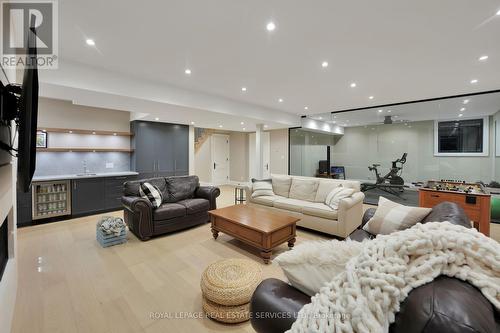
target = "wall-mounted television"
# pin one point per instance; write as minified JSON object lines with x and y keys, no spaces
{"x":20,"y":103}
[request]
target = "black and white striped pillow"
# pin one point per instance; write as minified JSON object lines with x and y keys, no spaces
{"x":151,"y":193}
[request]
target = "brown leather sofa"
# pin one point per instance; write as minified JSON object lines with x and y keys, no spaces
{"x":445,"y":305}
{"x":185,"y":204}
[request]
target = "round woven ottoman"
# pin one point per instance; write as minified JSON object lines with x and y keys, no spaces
{"x":227,"y":286}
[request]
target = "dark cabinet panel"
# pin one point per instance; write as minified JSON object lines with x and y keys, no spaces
{"x":114,"y":191}
{"x":161,"y":149}
{"x":87,"y":196}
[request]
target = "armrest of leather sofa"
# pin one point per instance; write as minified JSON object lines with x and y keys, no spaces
{"x":138,"y":216}
{"x":274,"y":306}
{"x":367,"y":216}
{"x":210,"y":193}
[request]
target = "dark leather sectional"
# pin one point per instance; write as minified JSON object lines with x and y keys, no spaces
{"x":185,"y":204}
{"x":445,"y":305}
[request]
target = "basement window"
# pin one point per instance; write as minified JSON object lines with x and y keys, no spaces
{"x":468,"y":137}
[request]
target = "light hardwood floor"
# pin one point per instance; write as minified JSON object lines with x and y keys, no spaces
{"x":68,"y":283}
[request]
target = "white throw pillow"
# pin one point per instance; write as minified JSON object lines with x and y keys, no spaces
{"x":303,"y":189}
{"x":391,"y":216}
{"x":281,"y":185}
{"x":333,"y":198}
{"x":262,"y":188}
{"x":312,"y":264}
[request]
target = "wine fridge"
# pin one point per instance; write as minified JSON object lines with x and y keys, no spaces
{"x":51,"y":199}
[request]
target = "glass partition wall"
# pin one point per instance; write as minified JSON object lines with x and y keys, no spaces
{"x":450,"y":139}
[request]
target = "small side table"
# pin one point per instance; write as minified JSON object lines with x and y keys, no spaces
{"x":239,"y":194}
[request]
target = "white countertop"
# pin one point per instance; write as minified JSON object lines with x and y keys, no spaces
{"x":90,"y":175}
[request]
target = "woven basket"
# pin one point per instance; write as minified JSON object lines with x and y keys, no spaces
{"x":231,"y":281}
{"x":226,"y":314}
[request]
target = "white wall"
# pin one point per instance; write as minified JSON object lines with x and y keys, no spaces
{"x":279,"y":151}
{"x":238,"y":154}
{"x":55,"y":113}
{"x":363,"y":146}
{"x":8,"y":285}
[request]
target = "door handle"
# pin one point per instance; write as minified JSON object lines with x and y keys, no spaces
{"x":267,"y":166}
{"x":214,"y":165}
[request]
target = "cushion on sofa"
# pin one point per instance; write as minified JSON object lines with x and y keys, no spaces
{"x":180,"y":188}
{"x":262,"y":188}
{"x":319,"y":209}
{"x":196,"y":205}
{"x":313,"y":264}
{"x":333,"y":198}
{"x":267,"y":200}
{"x":293,"y":205}
{"x":169,"y":211}
{"x":151,"y":193}
{"x":131,"y":188}
{"x":304,"y":189}
{"x":324,"y":188}
{"x":281,"y":185}
{"x":391,"y":216}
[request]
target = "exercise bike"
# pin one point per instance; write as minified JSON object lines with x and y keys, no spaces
{"x":392,"y":182}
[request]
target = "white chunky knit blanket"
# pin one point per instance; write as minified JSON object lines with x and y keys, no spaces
{"x":366,"y":297}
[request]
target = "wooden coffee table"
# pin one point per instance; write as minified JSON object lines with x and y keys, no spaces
{"x":258,"y":227}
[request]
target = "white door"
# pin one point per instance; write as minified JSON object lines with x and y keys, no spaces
{"x":266,"y":155}
{"x":220,"y":159}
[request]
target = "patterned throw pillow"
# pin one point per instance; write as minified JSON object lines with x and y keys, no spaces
{"x":151,"y":193}
{"x":262,"y":188}
{"x":391,"y":216}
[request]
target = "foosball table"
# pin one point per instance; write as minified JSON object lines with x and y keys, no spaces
{"x":472,"y":197}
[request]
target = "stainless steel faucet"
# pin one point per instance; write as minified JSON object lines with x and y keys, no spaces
{"x":85,"y":169}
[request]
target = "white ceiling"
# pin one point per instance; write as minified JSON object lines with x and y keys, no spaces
{"x":452,"y":108}
{"x":395,"y":50}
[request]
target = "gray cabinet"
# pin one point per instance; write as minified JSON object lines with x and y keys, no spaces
{"x":113,"y":191}
{"x":160,"y":149}
{"x":87,"y":196}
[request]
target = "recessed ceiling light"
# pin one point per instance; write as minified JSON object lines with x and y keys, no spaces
{"x":280,"y":100}
{"x":389,"y":111}
{"x":244,"y":129}
{"x":243,"y":89}
{"x":306,"y":108}
{"x":192,"y":123}
{"x":242,"y":123}
{"x":462,"y":109}
{"x":396,"y":116}
{"x":265,"y":126}
{"x":320,"y":118}
{"x":187,"y":71}
{"x":353,"y":85}
{"x":271,"y":26}
{"x":324,"y":64}
{"x":157,"y":118}
{"x":70,"y":132}
{"x":220,"y":126}
{"x":380,"y":111}
{"x":474,"y":81}
{"x":466,"y":101}
{"x":460,"y":115}
{"x":93,"y":132}
{"x":90,"y":42}
{"x":334,"y":117}
{"x":114,"y":134}
{"x":371,"y":97}
{"x":498,"y":13}
{"x":483,"y":58}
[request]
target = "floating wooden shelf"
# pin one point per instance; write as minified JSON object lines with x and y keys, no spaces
{"x":81,"y":131}
{"x":83,"y":150}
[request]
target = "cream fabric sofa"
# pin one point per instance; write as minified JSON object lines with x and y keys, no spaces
{"x":304,"y":197}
